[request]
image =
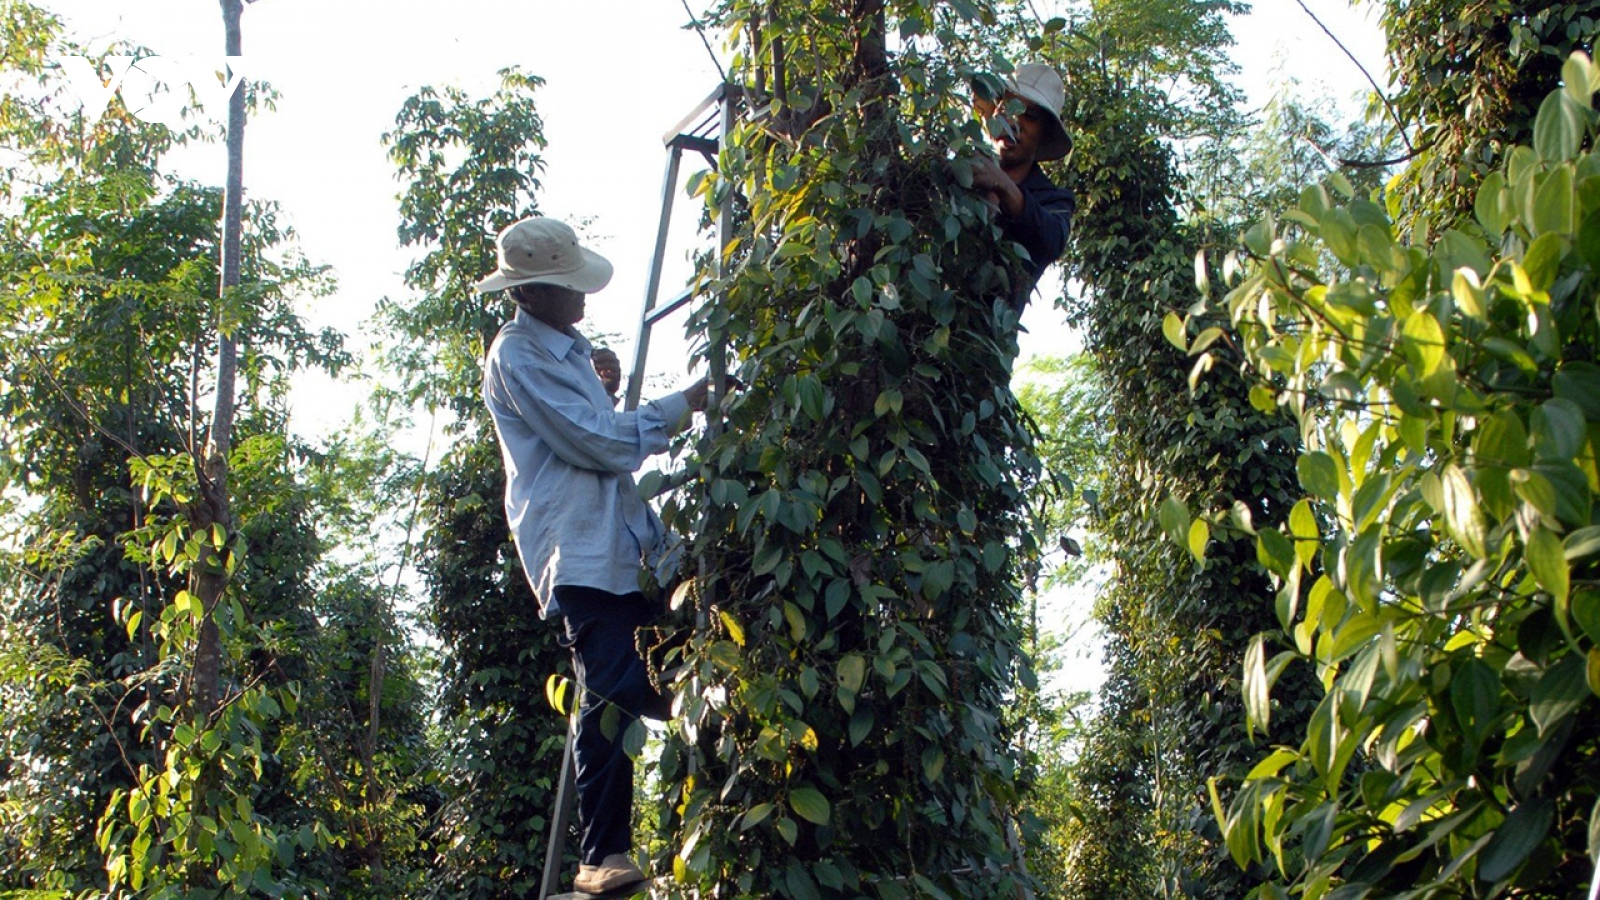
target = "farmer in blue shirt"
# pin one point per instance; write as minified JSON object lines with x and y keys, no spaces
{"x":581,"y":529}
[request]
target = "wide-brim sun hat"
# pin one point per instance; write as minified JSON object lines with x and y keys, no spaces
{"x":538,"y":250}
{"x":1037,"y":84}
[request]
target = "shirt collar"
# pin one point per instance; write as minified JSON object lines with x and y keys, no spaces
{"x":559,"y":343}
{"x":1036,"y":178}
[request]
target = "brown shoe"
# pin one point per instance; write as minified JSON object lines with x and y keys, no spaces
{"x":615,"y":871}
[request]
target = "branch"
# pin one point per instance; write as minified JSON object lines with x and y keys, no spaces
{"x":1359,"y":163}
{"x":1380,"y":163}
{"x":700,"y":30}
{"x":79,"y":408}
{"x":1399,"y":125}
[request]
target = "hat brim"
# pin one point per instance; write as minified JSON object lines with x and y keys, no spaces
{"x":1056,"y":143}
{"x":591,"y":276}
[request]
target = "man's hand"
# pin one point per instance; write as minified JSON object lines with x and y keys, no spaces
{"x":699,"y":393}
{"x":987,"y":176}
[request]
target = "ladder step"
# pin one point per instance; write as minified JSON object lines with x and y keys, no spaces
{"x":654,"y":316}
{"x":633,"y":890}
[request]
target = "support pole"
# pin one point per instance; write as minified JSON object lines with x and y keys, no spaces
{"x":641,"y":346}
{"x":566,"y":798}
{"x":717,"y":352}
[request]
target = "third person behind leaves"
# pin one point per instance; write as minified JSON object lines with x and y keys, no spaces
{"x":609,"y":368}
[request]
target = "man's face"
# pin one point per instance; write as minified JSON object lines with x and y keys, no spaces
{"x":610,"y":372}
{"x":1019,"y":145}
{"x":557,"y":307}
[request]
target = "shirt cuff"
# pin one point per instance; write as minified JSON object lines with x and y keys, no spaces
{"x":661,"y":417}
{"x":673,"y":407}
{"x":1022,"y":214}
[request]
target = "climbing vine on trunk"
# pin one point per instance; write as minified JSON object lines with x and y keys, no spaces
{"x":862,"y":534}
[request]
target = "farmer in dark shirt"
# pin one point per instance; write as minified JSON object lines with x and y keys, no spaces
{"x":1032,"y":210}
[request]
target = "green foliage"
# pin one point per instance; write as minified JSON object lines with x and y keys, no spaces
{"x":863,"y":525}
{"x":1065,"y":398}
{"x":98,"y":364}
{"x":350,"y":767}
{"x":1051,"y":739}
{"x":39,"y":139}
{"x":1470,"y":80}
{"x":233,"y":804}
{"x":168,"y":832}
{"x":1438,"y":576}
{"x":1168,"y":715}
{"x":502,"y":742}
{"x":370,"y":777}
{"x":1296,"y":142}
{"x":107,"y":783}
{"x":470,"y":168}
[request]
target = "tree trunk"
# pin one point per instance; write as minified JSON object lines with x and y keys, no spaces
{"x":215,"y":508}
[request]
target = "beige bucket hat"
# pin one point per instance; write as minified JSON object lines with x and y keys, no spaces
{"x":537,"y":250}
{"x":1037,"y":84}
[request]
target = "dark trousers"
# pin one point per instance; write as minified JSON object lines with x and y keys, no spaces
{"x":600,"y":630}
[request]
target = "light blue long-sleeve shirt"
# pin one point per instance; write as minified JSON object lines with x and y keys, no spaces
{"x":571,"y":501}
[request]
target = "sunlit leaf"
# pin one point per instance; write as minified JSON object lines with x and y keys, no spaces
{"x":1172,"y":327}
{"x":1548,"y":563}
{"x":1462,"y":514}
{"x":1319,"y":474}
{"x":1553,"y":202}
{"x":1175,"y":520}
{"x":1575,"y":80}
{"x":735,"y":630}
{"x":1257,"y":704}
{"x":1198,"y":537}
{"x":1558,"y":128}
{"x":1490,"y":208}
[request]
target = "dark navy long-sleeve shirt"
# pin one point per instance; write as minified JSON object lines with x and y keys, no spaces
{"x":1041,"y":228}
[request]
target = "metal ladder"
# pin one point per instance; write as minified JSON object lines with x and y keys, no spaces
{"x":702,"y":131}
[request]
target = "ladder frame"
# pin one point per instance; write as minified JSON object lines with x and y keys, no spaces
{"x":689,"y":134}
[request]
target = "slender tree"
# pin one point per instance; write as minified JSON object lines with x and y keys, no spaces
{"x":111,"y":285}
{"x":214,"y":507}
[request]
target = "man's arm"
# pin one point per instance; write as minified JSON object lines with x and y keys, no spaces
{"x":603,"y":440}
{"x":987,"y":176}
{"x":1037,"y":219}
{"x":1041,"y":225}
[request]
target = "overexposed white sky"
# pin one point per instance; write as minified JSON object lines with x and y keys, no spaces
{"x":619,"y":74}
